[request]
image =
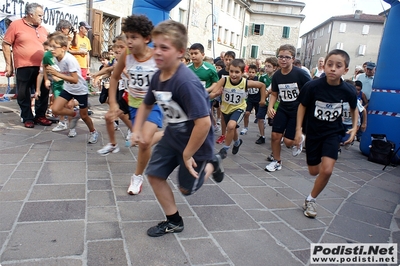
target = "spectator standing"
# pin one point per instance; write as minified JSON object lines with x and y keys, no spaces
{"x":367,"y":79}
{"x":316,"y":72}
{"x":81,"y":47}
{"x":26,"y":37}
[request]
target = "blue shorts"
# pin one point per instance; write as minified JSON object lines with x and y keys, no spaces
{"x":236,"y":115}
{"x":262,"y":112}
{"x":82,"y":99}
{"x":154,"y":117}
{"x":165,"y":158}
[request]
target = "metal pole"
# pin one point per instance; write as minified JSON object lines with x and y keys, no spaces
{"x":212,"y":27}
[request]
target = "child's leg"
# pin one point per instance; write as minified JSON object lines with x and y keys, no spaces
{"x":83,"y":112}
{"x":324,"y":171}
{"x":246,"y":119}
{"x":276,"y":145}
{"x":164,"y":194}
{"x":110,"y":127}
{"x":59,"y":107}
{"x":230,"y":132}
{"x":148,"y":132}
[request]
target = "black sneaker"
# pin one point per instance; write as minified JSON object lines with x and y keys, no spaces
{"x":235,"y":149}
{"x":218,"y":174}
{"x":165,"y":227}
{"x":222,"y":152}
{"x":261,"y":140}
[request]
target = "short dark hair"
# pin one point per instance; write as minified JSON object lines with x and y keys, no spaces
{"x":342,"y":53}
{"x":358,"y":83}
{"x":252,"y":66}
{"x":220,"y":63}
{"x":230,"y":54}
{"x":197,"y":46}
{"x":238,"y":63}
{"x":288,"y":47}
{"x":138,"y":24}
{"x":297,"y":62}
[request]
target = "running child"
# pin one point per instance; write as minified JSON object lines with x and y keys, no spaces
{"x":74,"y":87}
{"x":188,"y":141}
{"x":286,"y":83}
{"x":321,"y":103}
{"x":233,"y":106}
{"x":253,"y":99}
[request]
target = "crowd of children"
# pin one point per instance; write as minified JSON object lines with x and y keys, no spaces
{"x":196,"y":98}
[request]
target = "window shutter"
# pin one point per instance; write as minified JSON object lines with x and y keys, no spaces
{"x":246,"y":31}
{"x":244,"y":52}
{"x":254,"y":51}
{"x":253,"y":27}
{"x":97,"y":29}
{"x":261,"y":29}
{"x":286,"y":32}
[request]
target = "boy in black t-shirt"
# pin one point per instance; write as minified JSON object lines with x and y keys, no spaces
{"x":321,"y":104}
{"x":286,"y":83}
{"x":253,"y":99}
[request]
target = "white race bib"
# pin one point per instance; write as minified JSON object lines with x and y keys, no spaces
{"x":173,"y":113}
{"x":234,"y":96}
{"x":327,"y":111}
{"x":288,"y":92}
{"x":253,"y":90}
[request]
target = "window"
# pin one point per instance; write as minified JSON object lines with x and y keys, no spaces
{"x":313,"y":51}
{"x":326,"y":48}
{"x":361,"y":49}
{"x":321,"y":32}
{"x":228,"y":8}
{"x":286,"y":32}
{"x":254,"y":51}
{"x":258,"y":29}
{"x":222,"y":5}
{"x":235,"y":9}
{"x":182,"y":16}
{"x":342,"y":27}
{"x":365,"y":29}
{"x":319,"y":49}
{"x":339,"y":45}
{"x":219,"y":34}
{"x":329,"y":28}
{"x":226,"y":36}
{"x":237,"y":40}
{"x":244,"y":52}
{"x":232,"y":43}
{"x":209,"y":43}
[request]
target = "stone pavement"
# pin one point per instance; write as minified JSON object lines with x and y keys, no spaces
{"x":62,"y":204}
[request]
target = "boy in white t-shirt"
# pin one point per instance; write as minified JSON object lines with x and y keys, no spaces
{"x":74,"y":86}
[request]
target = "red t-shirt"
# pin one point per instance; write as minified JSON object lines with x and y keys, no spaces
{"x":27,"y":43}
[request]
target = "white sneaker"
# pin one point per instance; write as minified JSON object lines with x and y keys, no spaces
{"x":136,"y":184}
{"x":244,"y":131}
{"x":109,"y":148}
{"x":310,"y":209}
{"x":296,"y":151}
{"x":93,"y":137}
{"x":60,"y":127}
{"x":273,"y":166}
{"x":72,"y":133}
{"x":116,"y":126}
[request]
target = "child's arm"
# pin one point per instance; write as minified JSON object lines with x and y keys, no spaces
{"x":141,"y":116}
{"x":301,"y":111}
{"x":353,"y":130}
{"x":47,"y":81}
{"x":209,"y":89}
{"x":71,"y":79}
{"x":103,"y":71}
{"x":39,"y":80}
{"x":272,"y":99}
{"x":364,"y":99}
{"x":199,"y":134}
{"x":262,"y":88}
{"x":115,"y":77}
{"x":216,"y":88}
{"x":364,"y":123}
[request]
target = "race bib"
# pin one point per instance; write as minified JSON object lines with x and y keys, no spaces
{"x":253,"y":90}
{"x":140,"y":79}
{"x":288,"y":92}
{"x":173,"y":113}
{"x":327,"y":111}
{"x":233,"y":96}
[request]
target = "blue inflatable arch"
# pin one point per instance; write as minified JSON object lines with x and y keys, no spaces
{"x":384,"y":106}
{"x":155,"y":10}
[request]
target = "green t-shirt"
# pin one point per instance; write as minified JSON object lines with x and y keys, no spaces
{"x":206,"y":73}
{"x":265,"y":79}
{"x":57,"y":86}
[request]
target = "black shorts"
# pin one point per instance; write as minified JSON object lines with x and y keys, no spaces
{"x":285,"y":122}
{"x":262,"y":112}
{"x":123,"y":105}
{"x":215,"y":103}
{"x":82,"y":99}
{"x":322,"y":147}
{"x":251,"y":105}
{"x":165,"y":159}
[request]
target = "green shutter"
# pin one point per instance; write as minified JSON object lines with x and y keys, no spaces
{"x":244,"y":52}
{"x":253,"y":27}
{"x":254,"y":51}
{"x":261,"y":29}
{"x":246,"y":31}
{"x":286,"y":32}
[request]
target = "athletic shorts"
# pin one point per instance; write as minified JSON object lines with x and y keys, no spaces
{"x":164,"y":159}
{"x":154,"y":117}
{"x":82,"y":99}
{"x":237,"y":116}
{"x":321,"y":147}
{"x":285,"y":122}
{"x":346,"y":136}
{"x":215,"y":103}
{"x":262,"y":112}
{"x":251,"y":105}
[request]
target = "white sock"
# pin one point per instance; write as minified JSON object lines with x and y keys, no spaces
{"x":309,"y":198}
